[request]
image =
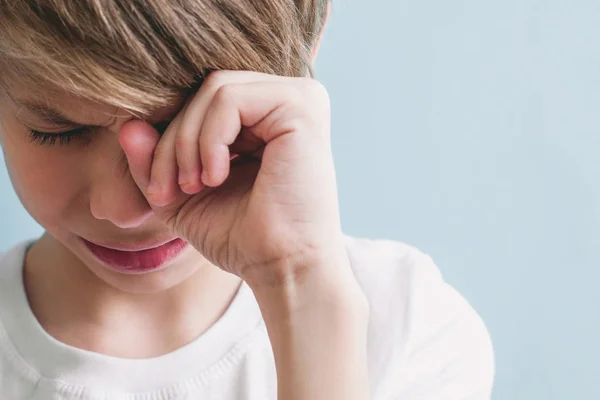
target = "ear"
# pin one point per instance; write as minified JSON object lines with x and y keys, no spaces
{"x":315,"y":49}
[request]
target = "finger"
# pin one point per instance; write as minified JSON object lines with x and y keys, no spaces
{"x":187,"y":142}
{"x":246,"y":143}
{"x":186,"y":152}
{"x":265,"y":108}
{"x":138,"y":140}
{"x":220,"y":128}
{"x":163,"y":187}
{"x":188,"y":158}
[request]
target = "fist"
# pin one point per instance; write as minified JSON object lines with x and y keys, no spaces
{"x":245,"y":174}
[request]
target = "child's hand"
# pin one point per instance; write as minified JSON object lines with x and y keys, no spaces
{"x":262,"y":219}
{"x":269,"y":221}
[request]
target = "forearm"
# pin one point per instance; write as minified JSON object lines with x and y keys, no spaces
{"x":317,"y":325}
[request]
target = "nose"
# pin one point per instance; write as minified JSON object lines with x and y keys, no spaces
{"x":119,"y":201}
{"x":121,"y":209}
{"x":113,"y":194}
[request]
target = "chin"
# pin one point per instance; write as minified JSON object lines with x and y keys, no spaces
{"x":159,"y":280}
{"x":140,"y":280}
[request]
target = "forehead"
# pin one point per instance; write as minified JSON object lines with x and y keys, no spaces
{"x":59,"y":109}
{"x":63,"y":109}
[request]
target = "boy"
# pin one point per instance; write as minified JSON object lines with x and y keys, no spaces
{"x":178,"y":156}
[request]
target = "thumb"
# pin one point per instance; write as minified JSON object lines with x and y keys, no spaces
{"x":138,"y":140}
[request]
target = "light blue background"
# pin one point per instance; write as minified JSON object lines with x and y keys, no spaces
{"x":469,"y":129}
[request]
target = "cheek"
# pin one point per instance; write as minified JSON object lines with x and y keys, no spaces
{"x":45,"y":180}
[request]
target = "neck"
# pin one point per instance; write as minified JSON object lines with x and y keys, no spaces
{"x":79,"y":309}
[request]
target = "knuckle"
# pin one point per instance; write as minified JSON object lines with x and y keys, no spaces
{"x":318,"y":91}
{"x":160,"y":151}
{"x":225,"y":93}
{"x":297,"y":95}
{"x":182,"y":143}
{"x":312,"y":91}
{"x":311,"y":100}
{"x":294,"y":96}
{"x":215,"y":80}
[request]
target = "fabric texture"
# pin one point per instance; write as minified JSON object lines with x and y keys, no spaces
{"x":425,"y":342}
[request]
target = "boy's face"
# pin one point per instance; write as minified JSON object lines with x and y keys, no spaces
{"x":84,"y":189}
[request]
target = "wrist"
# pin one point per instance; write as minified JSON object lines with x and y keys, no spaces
{"x":317,"y":322}
{"x":326,"y":284}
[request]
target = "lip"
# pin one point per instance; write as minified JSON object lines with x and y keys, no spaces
{"x":138,"y":258}
{"x":133,"y":246}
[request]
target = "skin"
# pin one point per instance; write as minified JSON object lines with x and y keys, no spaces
{"x":101,"y":203}
{"x":270,"y":218}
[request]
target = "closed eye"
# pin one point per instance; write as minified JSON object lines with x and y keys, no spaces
{"x":83,"y":133}
{"x":59,"y":138}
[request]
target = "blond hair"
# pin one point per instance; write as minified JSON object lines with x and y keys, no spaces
{"x":140,"y":54}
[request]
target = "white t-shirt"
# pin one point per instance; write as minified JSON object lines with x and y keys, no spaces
{"x":425,"y":342}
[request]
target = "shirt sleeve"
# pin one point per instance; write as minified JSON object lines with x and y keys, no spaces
{"x":447,"y":353}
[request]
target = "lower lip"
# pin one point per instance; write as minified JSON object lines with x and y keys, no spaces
{"x":137,"y":262}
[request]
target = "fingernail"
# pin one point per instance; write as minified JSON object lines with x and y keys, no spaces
{"x":204,"y":176}
{"x":153,"y":188}
{"x":183,"y":178}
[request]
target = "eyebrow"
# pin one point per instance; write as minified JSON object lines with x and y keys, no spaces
{"x":55,"y":117}
{"x":48,"y":114}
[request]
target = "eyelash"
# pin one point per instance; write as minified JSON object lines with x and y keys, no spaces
{"x":59,"y":138}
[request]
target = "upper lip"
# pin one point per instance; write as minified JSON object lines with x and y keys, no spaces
{"x":123,"y":246}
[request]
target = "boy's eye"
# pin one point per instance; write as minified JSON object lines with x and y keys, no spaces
{"x":59,"y":138}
